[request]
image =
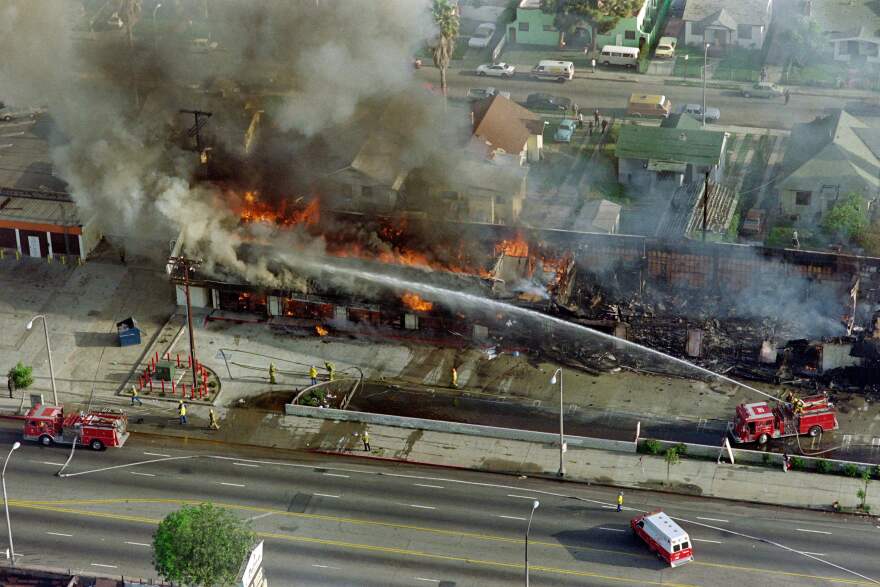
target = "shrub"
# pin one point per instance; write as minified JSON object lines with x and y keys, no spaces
{"x":798,"y":464}
{"x":653,"y":446}
{"x":850,"y":470}
{"x":765,"y":458}
{"x":823,"y":466}
{"x":681,"y":449}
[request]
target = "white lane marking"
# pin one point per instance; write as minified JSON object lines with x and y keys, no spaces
{"x":425,"y":579}
{"x":512,"y":517}
{"x":156,"y":454}
{"x":105,"y":566}
{"x":138,"y":544}
{"x":232,"y":484}
{"x":326,"y":495}
{"x":325,"y":567}
{"x":60,"y":534}
{"x":51,"y":463}
{"x":610,"y":507}
{"x":423,"y":507}
{"x":337,"y":475}
{"x":522,"y":496}
{"x":260,"y":516}
{"x":611,"y":529}
{"x":426,"y":485}
{"x":815,"y":553}
{"x":245,"y":465}
{"x":142,"y":474}
{"x":126,"y":465}
{"x":713,"y":519}
{"x":812,"y":531}
{"x":706,"y":540}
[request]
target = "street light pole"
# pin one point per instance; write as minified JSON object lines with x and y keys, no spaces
{"x":48,"y":351}
{"x":155,"y":30}
{"x":6,"y":503}
{"x":535,"y":505}
{"x":705,"y":75}
{"x":685,"y":67}
{"x":561,"y":472}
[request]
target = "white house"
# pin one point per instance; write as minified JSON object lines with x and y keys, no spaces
{"x":726,"y":23}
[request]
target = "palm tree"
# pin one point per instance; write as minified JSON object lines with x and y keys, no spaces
{"x":446,"y":18}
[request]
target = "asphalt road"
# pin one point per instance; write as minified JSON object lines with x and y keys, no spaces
{"x":344,"y":521}
{"x":612,"y":96}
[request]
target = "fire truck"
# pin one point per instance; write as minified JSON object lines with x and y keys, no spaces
{"x":664,"y":537}
{"x":49,"y":425}
{"x":758,"y":422}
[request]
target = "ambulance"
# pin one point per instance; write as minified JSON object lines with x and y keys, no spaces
{"x":664,"y":537}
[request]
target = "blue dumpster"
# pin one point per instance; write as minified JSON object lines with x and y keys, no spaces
{"x":128,"y":332}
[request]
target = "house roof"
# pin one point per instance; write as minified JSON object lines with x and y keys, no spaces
{"x":504,"y":124}
{"x":24,"y":158}
{"x":832,"y":147}
{"x":680,"y":145}
{"x":728,"y":13}
{"x":861,"y":33}
{"x":598,"y":216}
{"x":494,"y":177}
{"x":681,"y":121}
{"x":844,"y":18}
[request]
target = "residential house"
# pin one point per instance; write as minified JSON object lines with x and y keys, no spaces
{"x":598,"y":216}
{"x":826,"y":160}
{"x":535,"y":27}
{"x":503,"y":127}
{"x":727,"y":23}
{"x":852,"y":28}
{"x":668,"y":156}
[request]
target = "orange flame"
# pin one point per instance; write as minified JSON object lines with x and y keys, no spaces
{"x":517,"y":247}
{"x":321,"y":330}
{"x":414,"y":302}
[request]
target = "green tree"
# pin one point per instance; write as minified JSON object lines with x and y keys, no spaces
{"x":600,"y":15}
{"x":21,"y":376}
{"x":804,"y":41}
{"x":446,"y":19}
{"x":672,"y":458}
{"x":201,"y":545}
{"x":862,"y":494}
{"x":847,"y":219}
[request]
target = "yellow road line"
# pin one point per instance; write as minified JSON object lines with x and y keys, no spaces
{"x":53,"y":506}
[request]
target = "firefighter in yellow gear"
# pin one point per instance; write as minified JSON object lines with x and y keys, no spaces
{"x":313,"y":375}
{"x":214,"y":424}
{"x":272,"y":371}
{"x":330,"y":370}
{"x":454,"y":377}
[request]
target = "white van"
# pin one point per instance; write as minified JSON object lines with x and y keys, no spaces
{"x":617,"y":55}
{"x":555,"y":70}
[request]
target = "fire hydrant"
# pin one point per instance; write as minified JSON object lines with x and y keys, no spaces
{"x":272,"y":371}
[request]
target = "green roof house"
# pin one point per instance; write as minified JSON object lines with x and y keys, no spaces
{"x":826,"y":160}
{"x":668,"y":156}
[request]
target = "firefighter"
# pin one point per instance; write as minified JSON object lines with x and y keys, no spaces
{"x":619,"y":501}
{"x":366,"y":439}
{"x":330,"y":370}
{"x":214,"y":424}
{"x":134,"y":397}
{"x":455,"y":378}
{"x":181,"y":410}
{"x":272,"y":371}
{"x":10,"y":383}
{"x":313,"y":375}
{"x":799,"y":406}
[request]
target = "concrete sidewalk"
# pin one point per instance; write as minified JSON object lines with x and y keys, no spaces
{"x":692,"y":477}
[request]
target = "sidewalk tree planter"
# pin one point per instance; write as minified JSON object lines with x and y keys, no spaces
{"x":672,"y":458}
{"x":21,"y":375}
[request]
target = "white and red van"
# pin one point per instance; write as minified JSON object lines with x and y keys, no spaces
{"x":664,"y":537}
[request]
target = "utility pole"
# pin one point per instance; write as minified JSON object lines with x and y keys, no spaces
{"x":705,"y":205}
{"x":186,"y":265}
{"x":200,"y":119}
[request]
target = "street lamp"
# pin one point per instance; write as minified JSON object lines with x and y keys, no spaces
{"x":686,"y":57}
{"x":561,"y":472}
{"x":155,"y":30}
{"x":48,"y":351}
{"x":15,"y":447}
{"x":705,"y":75}
{"x":535,"y":505}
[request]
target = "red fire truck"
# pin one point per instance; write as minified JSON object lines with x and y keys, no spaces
{"x":665,"y":537}
{"x":97,"y":429}
{"x":758,"y":422}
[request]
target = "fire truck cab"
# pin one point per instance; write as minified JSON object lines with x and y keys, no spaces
{"x":97,"y":429}
{"x":664,"y":537}
{"x":758,"y":422}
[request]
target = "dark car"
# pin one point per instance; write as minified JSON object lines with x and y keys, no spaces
{"x":547,"y":102}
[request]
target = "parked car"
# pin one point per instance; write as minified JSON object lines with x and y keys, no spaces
{"x":480,"y":93}
{"x":696,"y":110}
{"x":753,"y":223}
{"x":203,"y":45}
{"x":665,"y":48}
{"x":547,"y":102}
{"x":482,"y":35}
{"x":565,"y":131}
{"x":496,"y":69}
{"x":9,"y":114}
{"x":763,"y":90}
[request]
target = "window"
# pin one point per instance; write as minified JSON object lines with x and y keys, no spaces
{"x":631,"y":35}
{"x":802,"y":198}
{"x":549,"y":28}
{"x":696,"y":28}
{"x":744,"y":31}
{"x":524,"y":26}
{"x":367,"y":192}
{"x":684,"y":545}
{"x":676,"y":548}
{"x":870,"y":49}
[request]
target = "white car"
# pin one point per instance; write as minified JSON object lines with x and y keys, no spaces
{"x":696,"y":110}
{"x":665,"y":47}
{"x":496,"y":69}
{"x":482,"y":35}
